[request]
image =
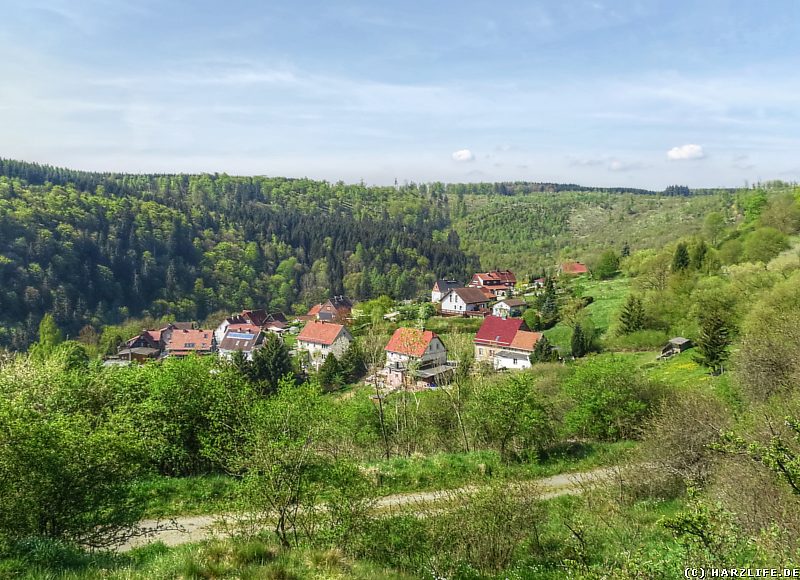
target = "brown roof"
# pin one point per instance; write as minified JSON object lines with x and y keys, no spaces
{"x":314,"y":310}
{"x":257,"y":317}
{"x":471,"y":295}
{"x":320,"y":332}
{"x":190,"y":340}
{"x":410,"y":341}
{"x":512,"y":302}
{"x":525,"y":340}
{"x":243,"y":337}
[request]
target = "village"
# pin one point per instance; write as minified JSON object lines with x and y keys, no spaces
{"x":414,"y":357}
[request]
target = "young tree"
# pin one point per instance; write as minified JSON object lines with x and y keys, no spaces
{"x":50,"y":336}
{"x":282,"y":457}
{"x":713,"y":341}
{"x":632,"y":317}
{"x":543,"y":352}
{"x":681,"y":259}
{"x":713,"y":226}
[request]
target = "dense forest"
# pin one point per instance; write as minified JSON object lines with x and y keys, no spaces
{"x":98,"y":248}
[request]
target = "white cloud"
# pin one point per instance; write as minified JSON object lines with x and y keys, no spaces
{"x":742,"y":162}
{"x":463,"y":155}
{"x":688,"y":151}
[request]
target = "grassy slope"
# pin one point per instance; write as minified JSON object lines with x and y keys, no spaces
{"x":534,"y":232}
{"x":609,"y":296}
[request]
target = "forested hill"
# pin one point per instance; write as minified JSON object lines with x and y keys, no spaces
{"x":98,"y":248}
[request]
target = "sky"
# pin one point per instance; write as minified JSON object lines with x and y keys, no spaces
{"x":635,"y":93}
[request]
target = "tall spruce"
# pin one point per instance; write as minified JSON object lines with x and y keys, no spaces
{"x":631,"y":319}
{"x":271,"y":363}
{"x":330,"y":375}
{"x":713,"y":341}
{"x":681,"y":259}
{"x":579,"y":342}
{"x":543,"y":351}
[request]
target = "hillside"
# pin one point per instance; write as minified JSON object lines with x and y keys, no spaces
{"x":95,"y":249}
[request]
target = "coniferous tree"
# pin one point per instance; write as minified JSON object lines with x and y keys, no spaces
{"x":330,"y":374}
{"x":698,"y":254}
{"x":631,"y":319}
{"x":713,"y":341}
{"x":271,"y":363}
{"x":352,"y":364}
{"x":579,"y":342}
{"x":681,"y":259}
{"x":543,"y":352}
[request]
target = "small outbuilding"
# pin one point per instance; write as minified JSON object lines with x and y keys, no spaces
{"x":675,"y":346}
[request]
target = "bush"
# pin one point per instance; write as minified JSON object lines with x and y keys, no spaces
{"x":609,"y":399}
{"x":641,"y":340}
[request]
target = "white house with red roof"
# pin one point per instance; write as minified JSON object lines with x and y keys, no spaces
{"x":517,"y":355}
{"x":506,"y":343}
{"x":415,"y":355}
{"x":319,"y":339}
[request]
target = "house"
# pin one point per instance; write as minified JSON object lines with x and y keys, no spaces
{"x":244,"y":338}
{"x":337,"y":309}
{"x":184,"y":342}
{"x":274,"y":322}
{"x":219,"y":332}
{"x":498,"y":282}
{"x":146,"y":339}
{"x":494,"y":335}
{"x":675,"y":346}
{"x":416,"y":356}
{"x":573,"y":269}
{"x":318,"y":339}
{"x":517,"y":354}
{"x":442,"y":287}
{"x":509,"y":307}
{"x":464,"y":302}
{"x":166,"y":332}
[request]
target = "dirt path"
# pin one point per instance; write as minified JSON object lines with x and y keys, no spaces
{"x":186,"y":529}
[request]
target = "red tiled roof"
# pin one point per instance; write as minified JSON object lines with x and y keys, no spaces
{"x":496,"y":330}
{"x":525,"y":340}
{"x":320,"y":332}
{"x":574,"y":268}
{"x":410,"y":341}
{"x":502,"y":276}
{"x":190,"y":340}
{"x":314,"y":310}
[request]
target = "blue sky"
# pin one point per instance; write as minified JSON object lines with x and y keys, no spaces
{"x":640,"y":93}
